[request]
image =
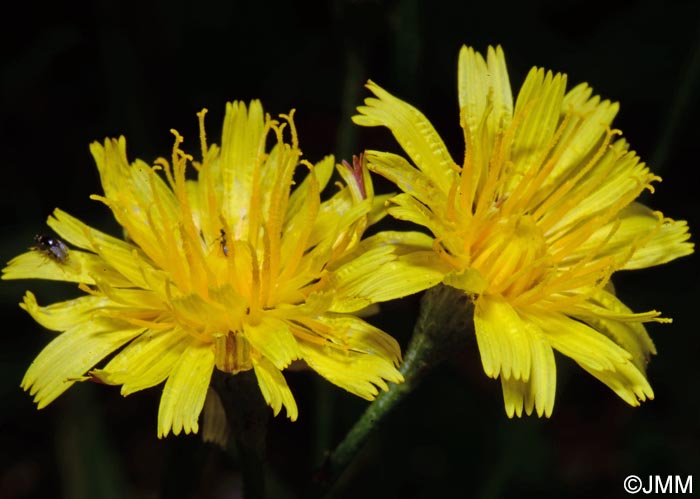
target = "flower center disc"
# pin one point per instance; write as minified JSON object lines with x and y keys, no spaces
{"x":511,"y":255}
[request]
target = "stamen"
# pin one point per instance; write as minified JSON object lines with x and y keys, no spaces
{"x":203,"y":133}
{"x":499,"y":159}
{"x":534,"y":178}
{"x":566,"y":186}
{"x":292,"y":128}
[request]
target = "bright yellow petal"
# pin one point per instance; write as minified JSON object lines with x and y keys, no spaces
{"x":607,"y":314}
{"x":539,"y":391}
{"x":617,"y":176}
{"x":357,"y":357}
{"x":580,"y":342}
{"x":322,"y":172}
{"x":406,"y":207}
{"x":383,"y":267}
{"x":504,"y":339}
{"x":209,"y":193}
{"x":274,"y":340}
{"x":537,"y":110}
{"x":115,"y":253}
{"x":140,"y":199}
{"x":625,"y":380}
{"x":588,"y":121}
{"x":185,"y":391}
{"x":71,"y":354}
{"x":335,"y":217}
{"x":79,"y":267}
{"x":192,"y":307}
{"x":298,"y":228}
{"x":543,"y":376}
{"x":603,"y":303}
{"x":410,"y":180}
{"x":412,"y":130}
{"x":242,"y":150}
{"x":145,"y":362}
{"x":131,"y":186}
{"x":516,"y":395}
{"x":274,"y":388}
{"x":484,"y":86}
{"x":641,"y":237}
{"x":63,"y":315}
{"x":352,"y":333}
{"x":82,"y":235}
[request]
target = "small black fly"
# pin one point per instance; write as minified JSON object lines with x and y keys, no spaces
{"x":222,"y":241}
{"x":52,"y":247}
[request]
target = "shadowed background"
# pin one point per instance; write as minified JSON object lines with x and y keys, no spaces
{"x":77,"y":73}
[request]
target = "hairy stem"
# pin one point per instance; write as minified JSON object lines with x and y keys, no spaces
{"x":442,"y":326}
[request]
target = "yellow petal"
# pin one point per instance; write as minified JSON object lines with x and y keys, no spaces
{"x":145,"y":362}
{"x":539,"y":391}
{"x":504,"y":339}
{"x":580,"y":342}
{"x":603,"y":303}
{"x":273,"y":339}
{"x":71,"y":354}
{"x":116,"y":253}
{"x":626,"y":381}
{"x":352,"y":333}
{"x":412,"y":130}
{"x":274,"y":388}
{"x":605,"y":313}
{"x":321,"y":175}
{"x":589,"y":121}
{"x":192,"y":307}
{"x":516,"y":395}
{"x":357,"y":356}
{"x":385,"y":266}
{"x":335,"y":217}
{"x":138,"y":196}
{"x":484,"y":86}
{"x":185,"y":391}
{"x":242,"y":146}
{"x":406,"y":207}
{"x":63,"y":315}
{"x":298,"y":227}
{"x":538,"y":107}
{"x":617,"y":176}
{"x":543,"y":376}
{"x":79,"y":267}
{"x":410,"y":180}
{"x":653,"y":239}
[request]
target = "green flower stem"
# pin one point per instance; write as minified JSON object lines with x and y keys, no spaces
{"x":248,"y":416}
{"x":444,"y":320}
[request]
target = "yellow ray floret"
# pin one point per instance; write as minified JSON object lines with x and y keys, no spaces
{"x":532,"y":224}
{"x":228,"y":265}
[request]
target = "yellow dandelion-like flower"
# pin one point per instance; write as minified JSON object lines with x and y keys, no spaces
{"x":532,"y":224}
{"x":234,"y":269}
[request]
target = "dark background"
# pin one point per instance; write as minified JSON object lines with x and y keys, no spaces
{"x":77,"y":72}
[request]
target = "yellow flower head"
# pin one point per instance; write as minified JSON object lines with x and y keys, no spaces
{"x":532,"y":224}
{"x":234,"y":270}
